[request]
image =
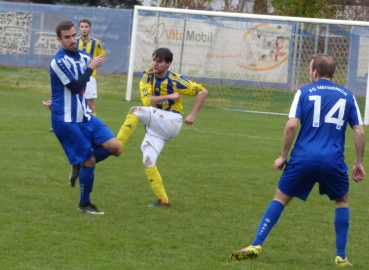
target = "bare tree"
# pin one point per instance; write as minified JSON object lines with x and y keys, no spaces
{"x":241,"y":5}
{"x":227,"y":5}
{"x":260,"y":7}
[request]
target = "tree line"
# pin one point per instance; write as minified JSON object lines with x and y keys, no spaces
{"x":327,"y":9}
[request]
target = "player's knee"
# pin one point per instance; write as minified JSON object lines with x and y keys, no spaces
{"x":133,"y":110}
{"x":112,"y":145}
{"x":147,"y":162}
{"x":115,"y":147}
{"x":91,"y":162}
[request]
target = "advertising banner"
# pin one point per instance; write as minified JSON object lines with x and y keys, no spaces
{"x":28,"y":38}
{"x":224,"y":48}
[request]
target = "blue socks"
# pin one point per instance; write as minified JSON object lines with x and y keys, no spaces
{"x":274,"y":211}
{"x":86,"y":182}
{"x":269,"y":219}
{"x":87,"y":174}
{"x":341,"y":225}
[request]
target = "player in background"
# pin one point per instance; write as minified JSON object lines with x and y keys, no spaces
{"x":324,"y":109}
{"x":94,"y":47}
{"x":85,"y":139}
{"x":161,"y":94}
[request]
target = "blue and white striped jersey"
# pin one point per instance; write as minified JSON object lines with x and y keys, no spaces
{"x":324,"y":109}
{"x":67,"y":106}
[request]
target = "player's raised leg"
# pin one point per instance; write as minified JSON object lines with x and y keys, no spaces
{"x":128,"y":127}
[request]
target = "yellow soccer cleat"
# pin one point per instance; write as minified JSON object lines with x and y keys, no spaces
{"x":251,"y":252}
{"x":342,"y":262}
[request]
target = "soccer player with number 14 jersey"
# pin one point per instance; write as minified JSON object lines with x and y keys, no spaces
{"x":324,"y":110}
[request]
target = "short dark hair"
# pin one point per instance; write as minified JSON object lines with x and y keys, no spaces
{"x":163,"y":54}
{"x":62,"y":26}
{"x":85,"y":21}
{"x":324,"y":65}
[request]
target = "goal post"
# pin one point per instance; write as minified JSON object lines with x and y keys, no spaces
{"x":250,"y":62}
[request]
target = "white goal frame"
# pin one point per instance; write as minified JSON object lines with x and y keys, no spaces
{"x":231,"y":15}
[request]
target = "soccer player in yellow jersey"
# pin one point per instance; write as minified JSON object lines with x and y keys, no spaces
{"x":94,"y":47}
{"x":161,"y":93}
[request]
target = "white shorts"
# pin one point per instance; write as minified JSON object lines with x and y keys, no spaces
{"x":91,"y":89}
{"x":161,"y":126}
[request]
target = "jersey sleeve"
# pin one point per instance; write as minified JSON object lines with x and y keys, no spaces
{"x":146,"y":88}
{"x":295,"y":109}
{"x":100,"y":49}
{"x":355,"y":115}
{"x":187,"y":87}
{"x":60,"y":68}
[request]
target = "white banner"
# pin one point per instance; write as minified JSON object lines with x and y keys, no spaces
{"x":217,"y":47}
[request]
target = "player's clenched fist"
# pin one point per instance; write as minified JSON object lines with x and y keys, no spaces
{"x":97,"y":62}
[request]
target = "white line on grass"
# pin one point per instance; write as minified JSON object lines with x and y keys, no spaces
{"x":247,"y":136}
{"x":247,"y":111}
{"x":231,"y":134}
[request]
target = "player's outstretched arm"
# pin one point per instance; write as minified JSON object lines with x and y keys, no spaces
{"x":200,"y":100}
{"x":358,"y":173}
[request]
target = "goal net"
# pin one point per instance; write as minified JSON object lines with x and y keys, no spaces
{"x":248,"y":62}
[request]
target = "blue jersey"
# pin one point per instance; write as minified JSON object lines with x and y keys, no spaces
{"x":324,"y":109}
{"x":68,"y":106}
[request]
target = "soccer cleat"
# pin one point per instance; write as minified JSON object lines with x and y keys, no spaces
{"x":251,"y":252}
{"x":73,"y":176}
{"x":342,"y":262}
{"x":89,"y":208}
{"x":160,"y":203}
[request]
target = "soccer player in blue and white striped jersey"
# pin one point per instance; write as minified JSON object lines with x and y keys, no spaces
{"x":84,"y":138}
{"x":324,"y":110}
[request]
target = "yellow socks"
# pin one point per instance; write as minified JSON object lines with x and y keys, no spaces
{"x":156,"y":183}
{"x":127,"y":128}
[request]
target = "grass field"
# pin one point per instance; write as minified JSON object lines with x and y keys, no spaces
{"x":218,"y":173}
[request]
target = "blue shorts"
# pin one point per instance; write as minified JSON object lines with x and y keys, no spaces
{"x":299,"y":178}
{"x":79,"y":139}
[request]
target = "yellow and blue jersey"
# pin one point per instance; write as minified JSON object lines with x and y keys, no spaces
{"x":93,"y":47}
{"x":150,"y":86}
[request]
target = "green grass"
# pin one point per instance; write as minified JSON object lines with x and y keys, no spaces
{"x":218,"y":173}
